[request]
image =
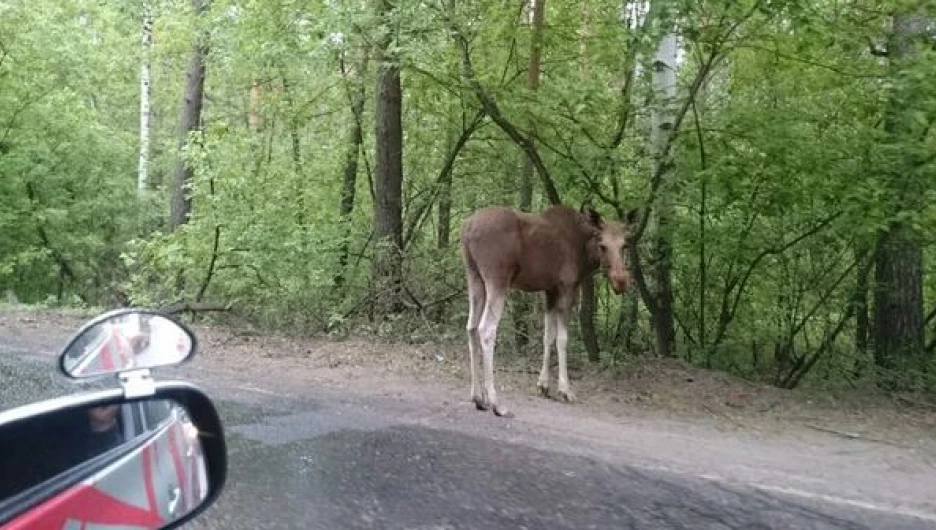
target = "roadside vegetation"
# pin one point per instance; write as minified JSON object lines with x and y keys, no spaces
{"x":304,"y":168}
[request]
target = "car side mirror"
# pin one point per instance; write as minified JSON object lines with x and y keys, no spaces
{"x":126,"y":339}
{"x":105,"y":459}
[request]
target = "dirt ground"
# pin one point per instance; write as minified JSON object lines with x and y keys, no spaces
{"x":647,"y":389}
{"x":868,"y":449}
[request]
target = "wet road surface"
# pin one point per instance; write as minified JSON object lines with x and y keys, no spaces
{"x":323,"y":461}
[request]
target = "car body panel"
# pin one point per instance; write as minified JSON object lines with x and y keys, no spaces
{"x":110,"y":350}
{"x":168,"y":462}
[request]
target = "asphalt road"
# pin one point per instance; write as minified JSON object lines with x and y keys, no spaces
{"x":323,"y":460}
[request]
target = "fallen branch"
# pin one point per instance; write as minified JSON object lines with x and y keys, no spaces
{"x":851,"y":435}
{"x":196,"y":307}
{"x":724,"y":416}
{"x":840,"y":434}
{"x":915,"y":403}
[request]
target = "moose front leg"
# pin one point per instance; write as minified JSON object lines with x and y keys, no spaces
{"x":549,"y":336}
{"x":562,"y":342}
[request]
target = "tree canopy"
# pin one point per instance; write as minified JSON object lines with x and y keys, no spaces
{"x":778,"y":154}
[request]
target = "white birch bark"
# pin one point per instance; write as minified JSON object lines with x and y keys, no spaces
{"x":145,"y":92}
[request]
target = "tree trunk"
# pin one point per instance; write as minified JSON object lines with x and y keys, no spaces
{"x":254,"y":114}
{"x":443,"y":233}
{"x":662,"y":123}
{"x":589,"y":306}
{"x":444,"y":206}
{"x":189,"y":121}
{"x":356,"y":95}
{"x":898,"y":297}
{"x":145,"y":92}
{"x":898,"y":257}
{"x":533,"y":78}
{"x":584,"y":35}
{"x":388,"y":203}
{"x":860,"y":298}
{"x":444,"y":219}
{"x":522,"y":309}
{"x":293,"y":127}
{"x":628,"y":322}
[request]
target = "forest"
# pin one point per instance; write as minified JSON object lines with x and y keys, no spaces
{"x":306,"y":166}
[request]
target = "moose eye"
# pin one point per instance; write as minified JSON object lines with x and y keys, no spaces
{"x":603,"y":247}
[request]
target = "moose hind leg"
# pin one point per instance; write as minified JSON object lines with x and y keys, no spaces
{"x":493,"y":310}
{"x":476,"y":301}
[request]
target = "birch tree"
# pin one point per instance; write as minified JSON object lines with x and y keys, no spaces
{"x":145,"y":94}
{"x":661,"y":127}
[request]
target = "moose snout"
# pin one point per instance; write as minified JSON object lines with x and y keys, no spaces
{"x":619,"y":281}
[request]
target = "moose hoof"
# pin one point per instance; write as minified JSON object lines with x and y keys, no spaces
{"x":567,"y":396}
{"x":479,"y":403}
{"x":502,"y":412}
{"x":543,"y":389}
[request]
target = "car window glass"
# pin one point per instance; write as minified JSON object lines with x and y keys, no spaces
{"x":156,"y":413}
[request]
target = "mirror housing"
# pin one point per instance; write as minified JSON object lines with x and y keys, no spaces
{"x":126,"y":339}
{"x":108,"y":487}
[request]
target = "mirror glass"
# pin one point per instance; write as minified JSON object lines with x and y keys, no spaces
{"x":137,"y":464}
{"x":124,"y":341}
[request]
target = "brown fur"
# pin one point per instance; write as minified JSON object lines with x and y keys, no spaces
{"x":551,"y":252}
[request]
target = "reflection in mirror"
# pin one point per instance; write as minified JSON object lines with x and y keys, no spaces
{"x":125,"y":341}
{"x":137,"y":464}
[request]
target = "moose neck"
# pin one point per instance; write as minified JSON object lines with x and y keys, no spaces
{"x":570,"y":222}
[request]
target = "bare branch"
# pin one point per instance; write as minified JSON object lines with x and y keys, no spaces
{"x":211,"y":264}
{"x":810,"y":62}
{"x":450,"y":159}
{"x":741,"y":283}
{"x":435,"y":79}
{"x":637,"y":269}
{"x":493,"y":110}
{"x":796,"y":375}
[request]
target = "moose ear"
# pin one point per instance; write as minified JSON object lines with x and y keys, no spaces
{"x":590,"y":215}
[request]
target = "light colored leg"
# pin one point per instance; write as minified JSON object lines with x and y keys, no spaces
{"x":476,"y":299}
{"x":493,"y":310}
{"x":549,"y":336}
{"x":562,"y":341}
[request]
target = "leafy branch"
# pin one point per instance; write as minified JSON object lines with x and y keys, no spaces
{"x":492,"y":109}
{"x":736,"y":285}
{"x":447,"y":167}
